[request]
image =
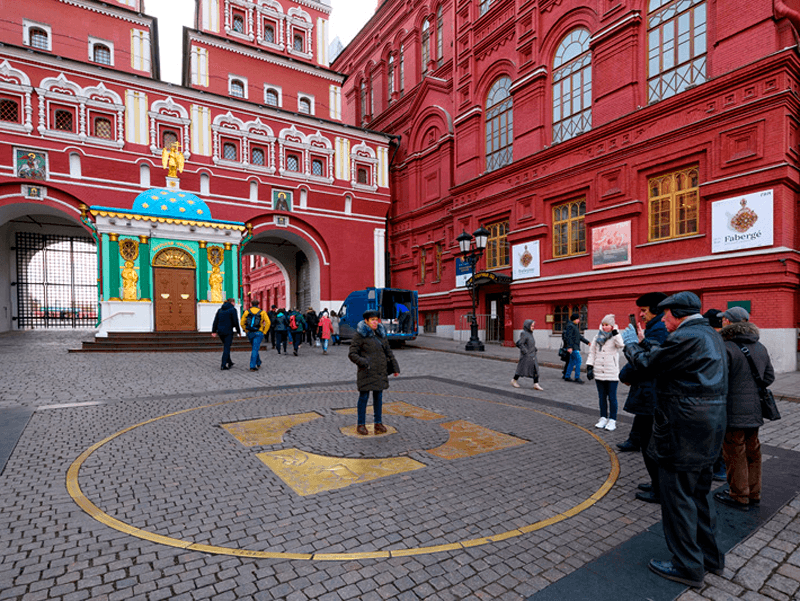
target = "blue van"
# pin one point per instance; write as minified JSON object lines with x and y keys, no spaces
{"x":399,"y":311}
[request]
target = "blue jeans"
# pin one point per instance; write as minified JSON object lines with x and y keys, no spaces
{"x":280,"y":340}
{"x":256,"y":338}
{"x":325,"y":342}
{"x":377,"y":406}
{"x":607,"y":391}
{"x":574,"y":361}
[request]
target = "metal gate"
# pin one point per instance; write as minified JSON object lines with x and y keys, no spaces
{"x":56,"y":281}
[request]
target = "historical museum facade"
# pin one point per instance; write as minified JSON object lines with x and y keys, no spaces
{"x":610,"y":148}
{"x":129,"y":204}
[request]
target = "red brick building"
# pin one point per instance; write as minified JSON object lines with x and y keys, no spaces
{"x":610,"y":147}
{"x":98,"y":234}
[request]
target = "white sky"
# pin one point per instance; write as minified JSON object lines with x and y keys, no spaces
{"x":347,"y":17}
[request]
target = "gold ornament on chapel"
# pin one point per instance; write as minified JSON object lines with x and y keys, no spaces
{"x":129,"y":249}
{"x":173,"y":257}
{"x":172,"y":159}
{"x":215,"y":255}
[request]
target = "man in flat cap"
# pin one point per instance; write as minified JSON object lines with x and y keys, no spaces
{"x":691,"y":373}
{"x":641,"y":399}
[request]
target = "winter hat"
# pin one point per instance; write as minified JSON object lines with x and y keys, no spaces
{"x":574,"y":316}
{"x":370,"y":313}
{"x":609,"y":320}
{"x":714,"y":318}
{"x":681,"y":304}
{"x":735,"y":314}
{"x":651,"y":300}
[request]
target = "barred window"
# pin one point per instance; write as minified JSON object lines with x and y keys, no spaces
{"x":271,"y":97}
{"x":317,"y":168}
{"x":238,"y":23}
{"x":237,"y":88}
{"x":497,"y":245}
{"x":39,"y":38}
{"x":168,"y":138}
{"x":499,"y":125}
{"x":673,"y":201}
{"x":292,"y":162}
{"x":102,"y":128}
{"x":298,"y":42}
{"x":64,"y":120}
{"x":676,"y":47}
{"x":269,"y":33}
{"x":304,"y":106}
{"x":569,"y":229}
{"x":9,"y":110}
{"x":101,"y":54}
{"x":572,"y":87}
{"x":257,"y":157}
{"x":229,"y":152}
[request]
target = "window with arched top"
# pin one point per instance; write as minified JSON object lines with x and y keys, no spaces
{"x":298,"y":42}
{"x":229,"y":151}
{"x":237,"y":88}
{"x":363,"y":103}
{"x":390,"y":77}
{"x":676,"y":47}
{"x":317,"y":168}
{"x":572,"y":86}
{"x":257,"y":157}
{"x":426,"y":46}
{"x":39,"y":38}
{"x":101,"y":54}
{"x":440,"y":36}
{"x":103,"y":128}
{"x":304,"y":106}
{"x":402,"y":66}
{"x":64,"y":120}
{"x":269,"y":33}
{"x":237,"y":23}
{"x":499,"y":125}
{"x":271,"y":97}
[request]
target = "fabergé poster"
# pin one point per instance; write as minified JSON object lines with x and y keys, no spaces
{"x":611,"y":245}
{"x":525,"y":260}
{"x":742,"y":222}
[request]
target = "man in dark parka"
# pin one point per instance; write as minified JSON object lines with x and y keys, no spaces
{"x":226,"y":321}
{"x":691,"y":373}
{"x":371,"y":352}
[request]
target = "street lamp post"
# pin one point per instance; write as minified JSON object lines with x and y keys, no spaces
{"x":471,"y":255}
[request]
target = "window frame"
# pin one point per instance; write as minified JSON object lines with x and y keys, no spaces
{"x":242,"y":81}
{"x":425,"y":46}
{"x":54,"y":110}
{"x":571,"y":221}
{"x":496,"y":129}
{"x":569,"y":122}
{"x":673,"y":209}
{"x":298,"y":157}
{"x":566,"y":309}
{"x":498,"y":251}
{"x":16,"y":101}
{"x":28,"y":26}
{"x":278,"y":91}
{"x":308,"y":98}
{"x":226,"y":143}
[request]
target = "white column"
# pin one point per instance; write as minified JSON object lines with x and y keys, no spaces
{"x":379,"y":240}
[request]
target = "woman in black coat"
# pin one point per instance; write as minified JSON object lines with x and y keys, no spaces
{"x":528,"y":366}
{"x":370,"y":351}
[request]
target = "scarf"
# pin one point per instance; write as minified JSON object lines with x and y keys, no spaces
{"x":602,"y":338}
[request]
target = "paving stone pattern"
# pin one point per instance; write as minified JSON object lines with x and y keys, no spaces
{"x":185,"y":477}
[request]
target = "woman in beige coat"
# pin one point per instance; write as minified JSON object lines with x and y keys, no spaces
{"x":603,"y":367}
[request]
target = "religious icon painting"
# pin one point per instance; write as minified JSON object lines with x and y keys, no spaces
{"x":281,"y":200}
{"x":30,"y":164}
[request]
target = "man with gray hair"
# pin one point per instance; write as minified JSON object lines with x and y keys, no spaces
{"x":691,"y":374}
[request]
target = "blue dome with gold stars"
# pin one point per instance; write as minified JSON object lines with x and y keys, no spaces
{"x":172,"y":204}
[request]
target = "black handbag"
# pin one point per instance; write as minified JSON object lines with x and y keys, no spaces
{"x":563,"y":354}
{"x":769,"y":409}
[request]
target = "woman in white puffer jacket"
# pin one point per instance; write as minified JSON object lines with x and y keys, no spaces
{"x":602,"y":366}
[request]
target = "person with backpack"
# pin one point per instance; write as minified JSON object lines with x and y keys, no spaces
{"x":297,"y":326}
{"x":281,"y":328}
{"x":255,"y":322}
{"x":226,"y":321}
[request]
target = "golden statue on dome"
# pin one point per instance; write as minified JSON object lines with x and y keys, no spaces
{"x":172,"y":159}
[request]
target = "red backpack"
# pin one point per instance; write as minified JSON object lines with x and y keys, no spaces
{"x":292,"y":322}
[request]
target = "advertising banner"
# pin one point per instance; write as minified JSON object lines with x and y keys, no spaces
{"x":525,"y":260}
{"x":463,"y":273}
{"x":742,"y":222}
{"x":611,"y":245}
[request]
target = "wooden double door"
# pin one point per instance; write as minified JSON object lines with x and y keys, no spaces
{"x":174,"y":299}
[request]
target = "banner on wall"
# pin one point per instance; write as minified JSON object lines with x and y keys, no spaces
{"x":742,"y":222}
{"x":463,"y":273}
{"x":525,"y":260}
{"x":611,"y":245}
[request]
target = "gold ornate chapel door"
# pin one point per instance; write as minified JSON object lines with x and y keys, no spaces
{"x":175,"y":299}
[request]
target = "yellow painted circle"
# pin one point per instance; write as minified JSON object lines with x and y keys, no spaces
{"x":74,"y":489}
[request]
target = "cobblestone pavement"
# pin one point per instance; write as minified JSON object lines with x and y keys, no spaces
{"x":123,"y":485}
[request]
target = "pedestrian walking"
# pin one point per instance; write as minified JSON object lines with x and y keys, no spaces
{"x":255,"y":322}
{"x":335,"y":328}
{"x":641,"y":401}
{"x":226,"y":321}
{"x":311,"y":325}
{"x":602,"y":365}
{"x":281,"y":328}
{"x":527,"y":366}
{"x":325,"y":331}
{"x":272,"y":313}
{"x":572,"y":338}
{"x":371,"y":352}
{"x":691,"y":376}
{"x":741,"y":447}
{"x":297,"y":327}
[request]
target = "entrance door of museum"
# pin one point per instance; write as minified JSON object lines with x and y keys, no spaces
{"x":495,"y":321}
{"x":174,"y":299}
